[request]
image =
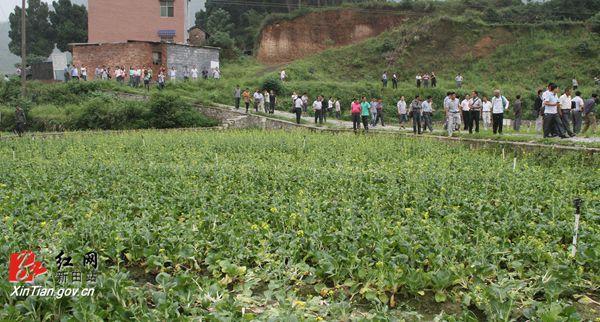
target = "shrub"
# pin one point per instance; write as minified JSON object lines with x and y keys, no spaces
{"x":595,"y":23}
{"x":171,"y":111}
{"x":273,"y":84}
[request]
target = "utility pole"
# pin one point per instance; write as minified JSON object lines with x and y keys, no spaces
{"x":23,"y":50}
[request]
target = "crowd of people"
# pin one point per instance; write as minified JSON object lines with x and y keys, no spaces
{"x":138,"y":76}
{"x":557,"y":116}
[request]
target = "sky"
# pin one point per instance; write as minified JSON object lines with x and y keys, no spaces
{"x":7,"y":6}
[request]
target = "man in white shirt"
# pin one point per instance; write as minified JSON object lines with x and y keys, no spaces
{"x":74,"y":73}
{"x":329,"y":107}
{"x":419,"y":78}
{"x":576,"y":112}
{"x":475,"y":106}
{"x":298,"y":106}
{"x":459,"y":80}
{"x":305,"y":102}
{"x":499,"y":105}
{"x":172,"y":74}
{"x":427,"y":108}
{"x":265,"y":101}
{"x":282,"y":75}
{"x":83,"y":73}
{"x":565,"y":111}
{"x":550,"y":106}
{"x":465,"y":108}
{"x":257,"y":97}
{"x":318,"y":109}
{"x":451,"y":107}
{"x":486,"y":113}
{"x":194,"y":72}
{"x":338,"y":109}
{"x":402,"y":113}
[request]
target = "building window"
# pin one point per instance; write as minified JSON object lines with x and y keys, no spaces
{"x":167,"y":8}
{"x":157,"y":58}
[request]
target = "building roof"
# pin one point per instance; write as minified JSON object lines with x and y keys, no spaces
{"x":143,"y":41}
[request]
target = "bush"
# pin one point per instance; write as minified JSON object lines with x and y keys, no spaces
{"x":595,"y":23}
{"x":273,"y":84}
{"x":171,"y":111}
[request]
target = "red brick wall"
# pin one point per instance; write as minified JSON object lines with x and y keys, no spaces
{"x":136,"y":54}
{"x":122,"y":20}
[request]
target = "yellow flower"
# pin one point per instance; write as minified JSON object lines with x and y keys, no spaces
{"x":254,"y":227}
{"x":298,"y":303}
{"x":43,"y":224}
{"x":300,"y":233}
{"x":273,"y":209}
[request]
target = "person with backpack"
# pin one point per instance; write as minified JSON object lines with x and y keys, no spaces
{"x":499,"y":105}
{"x":298,"y":106}
{"x":415,"y":113}
{"x":355,"y":110}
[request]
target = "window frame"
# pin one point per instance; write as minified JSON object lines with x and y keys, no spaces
{"x":167,"y":8}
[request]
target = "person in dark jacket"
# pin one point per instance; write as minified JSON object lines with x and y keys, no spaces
{"x":20,"y":120}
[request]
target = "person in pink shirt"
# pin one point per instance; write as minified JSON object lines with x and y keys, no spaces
{"x":355,"y":110}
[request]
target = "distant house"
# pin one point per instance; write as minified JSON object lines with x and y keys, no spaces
{"x":197,"y":36}
{"x":113,"y":21}
{"x":143,"y":33}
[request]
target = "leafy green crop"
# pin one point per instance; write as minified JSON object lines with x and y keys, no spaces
{"x":294,"y":225}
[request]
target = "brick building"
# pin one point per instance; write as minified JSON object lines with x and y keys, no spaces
{"x":144,"y":54}
{"x":112,"y":21}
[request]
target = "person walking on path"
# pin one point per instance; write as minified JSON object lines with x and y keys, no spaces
{"x":266,"y":101}
{"x":518,"y":111}
{"x":395,"y":81}
{"x":459,"y":80}
{"x":373,"y":111}
{"x":20,"y":121}
{"x":427,"y":108}
{"x":475,"y":107}
{"x":564,"y":112}
{"x":298,"y":106}
{"x":305,"y":102}
{"x":402,"y":112}
{"x":577,"y":104}
{"x":499,"y":105}
{"x":364,"y":113}
{"x":465,"y":109}
{"x":486,"y":113}
{"x":452,"y":112}
{"x":574,"y":83}
{"x":318,"y":109}
{"x":272,"y":102}
{"x":551,"y":118}
{"x":355,"y":111}
{"x":246,"y":97}
{"x":379,"y":109}
{"x":433,"y":80}
{"x":237,"y":96}
{"x":384,"y":79}
{"x":538,"y":111}
{"x":256,"y":100}
{"x":338,"y":109}
{"x":418,"y":78}
{"x":415,"y":112}
{"x":589,"y":114}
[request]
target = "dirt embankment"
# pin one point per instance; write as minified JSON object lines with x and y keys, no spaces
{"x":286,"y":41}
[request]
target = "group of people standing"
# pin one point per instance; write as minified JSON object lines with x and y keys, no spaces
{"x":136,"y":76}
{"x":557,"y":113}
{"x":261,"y":100}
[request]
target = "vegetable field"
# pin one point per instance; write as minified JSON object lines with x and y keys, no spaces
{"x":299,"y":226}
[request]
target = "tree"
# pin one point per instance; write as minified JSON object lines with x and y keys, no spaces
{"x":219,"y":21}
{"x":69,"y":22}
{"x":40,"y":40}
